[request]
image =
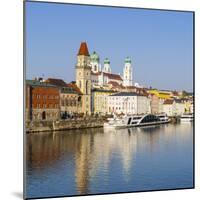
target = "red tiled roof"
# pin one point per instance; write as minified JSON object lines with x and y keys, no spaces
{"x":83,"y":50}
{"x":113,"y":76}
{"x":168,"y":102}
{"x":56,"y":82}
{"x":75,"y":87}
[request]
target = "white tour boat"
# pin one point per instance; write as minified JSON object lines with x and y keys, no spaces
{"x":187,"y":117}
{"x":136,"y":120}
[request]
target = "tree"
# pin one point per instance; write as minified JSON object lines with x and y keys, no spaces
{"x":184,"y":93}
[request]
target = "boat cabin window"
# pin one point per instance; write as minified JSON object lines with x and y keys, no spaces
{"x":129,"y":120}
{"x":150,"y":118}
{"x":134,"y":122}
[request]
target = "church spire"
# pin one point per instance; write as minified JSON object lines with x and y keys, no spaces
{"x":127,"y":73}
{"x":83,"y":50}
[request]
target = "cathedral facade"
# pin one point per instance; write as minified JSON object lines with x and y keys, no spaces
{"x":101,"y":76}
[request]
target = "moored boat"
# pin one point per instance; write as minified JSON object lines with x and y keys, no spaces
{"x":136,"y":120}
{"x":187,"y":117}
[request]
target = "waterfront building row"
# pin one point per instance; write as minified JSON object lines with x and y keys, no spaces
{"x":97,"y":91}
{"x":53,"y":98}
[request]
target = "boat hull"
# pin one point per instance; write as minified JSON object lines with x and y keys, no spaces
{"x":108,"y":126}
{"x":187,"y":120}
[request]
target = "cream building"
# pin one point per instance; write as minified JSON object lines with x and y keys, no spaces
{"x":99,"y":100}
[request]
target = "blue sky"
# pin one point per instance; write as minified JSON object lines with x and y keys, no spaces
{"x":160,"y":43}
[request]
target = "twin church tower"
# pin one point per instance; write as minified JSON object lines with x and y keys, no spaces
{"x":89,"y":74}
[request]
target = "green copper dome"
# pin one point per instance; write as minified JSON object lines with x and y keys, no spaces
{"x":127,"y":60}
{"x":94,"y":57}
{"x":106,"y":61}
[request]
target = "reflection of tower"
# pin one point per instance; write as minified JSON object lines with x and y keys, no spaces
{"x":82,"y":164}
{"x":127,"y":73}
{"x":94,"y":61}
{"x":83,"y":77}
{"x":106,"y":67}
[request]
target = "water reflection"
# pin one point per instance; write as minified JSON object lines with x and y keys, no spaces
{"x":93,"y":160}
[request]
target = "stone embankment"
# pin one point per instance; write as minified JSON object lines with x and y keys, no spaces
{"x":42,"y":126}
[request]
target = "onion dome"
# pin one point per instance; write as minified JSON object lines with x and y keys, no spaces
{"x":106,"y":61}
{"x":127,"y":60}
{"x":94,"y":57}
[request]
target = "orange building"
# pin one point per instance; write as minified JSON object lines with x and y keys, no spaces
{"x":42,"y":101}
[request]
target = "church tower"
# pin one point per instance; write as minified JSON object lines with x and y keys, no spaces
{"x":83,"y":77}
{"x":127,"y":73}
{"x":95,"y":62}
{"x":106,"y":67}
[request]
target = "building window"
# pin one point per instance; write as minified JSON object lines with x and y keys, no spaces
{"x":86,"y":87}
{"x":80,"y":84}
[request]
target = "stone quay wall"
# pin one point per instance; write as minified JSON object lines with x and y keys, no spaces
{"x":42,"y":126}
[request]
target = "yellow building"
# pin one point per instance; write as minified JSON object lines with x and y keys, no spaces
{"x":99,"y":100}
{"x":161,"y":94}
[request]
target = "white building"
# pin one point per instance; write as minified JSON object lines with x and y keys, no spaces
{"x":173,"y":107}
{"x":128,"y":103}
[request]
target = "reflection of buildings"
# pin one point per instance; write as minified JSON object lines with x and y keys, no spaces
{"x":91,"y":153}
{"x":96,"y":152}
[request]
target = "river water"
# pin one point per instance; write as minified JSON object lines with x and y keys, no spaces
{"x":93,"y":161}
